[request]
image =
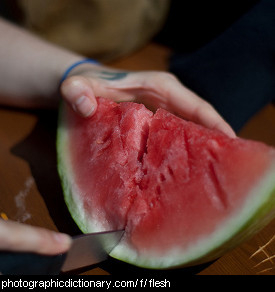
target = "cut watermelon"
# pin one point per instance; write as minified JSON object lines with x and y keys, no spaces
{"x":184,"y":194}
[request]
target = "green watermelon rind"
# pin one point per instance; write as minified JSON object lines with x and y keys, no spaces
{"x":256,"y":213}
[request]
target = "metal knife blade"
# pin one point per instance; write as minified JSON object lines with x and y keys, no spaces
{"x":89,"y":249}
{"x":86,"y":250}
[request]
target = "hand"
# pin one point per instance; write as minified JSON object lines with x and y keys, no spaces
{"x":153,"y":89}
{"x":16,"y":236}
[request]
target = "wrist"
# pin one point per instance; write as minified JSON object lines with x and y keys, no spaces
{"x":75,"y":66}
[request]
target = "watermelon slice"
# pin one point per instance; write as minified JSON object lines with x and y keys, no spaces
{"x":184,"y":194}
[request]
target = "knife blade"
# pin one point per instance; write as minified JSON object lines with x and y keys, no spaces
{"x":91,"y":249}
{"x":86,"y":250}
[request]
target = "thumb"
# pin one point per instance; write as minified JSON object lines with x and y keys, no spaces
{"x":78,"y":92}
{"x":16,"y":236}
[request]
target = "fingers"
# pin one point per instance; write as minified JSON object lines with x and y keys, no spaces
{"x":15,"y":236}
{"x":157,"y":89}
{"x":203,"y":113}
{"x":78,"y":92}
{"x":189,"y":105}
{"x":199,"y":111}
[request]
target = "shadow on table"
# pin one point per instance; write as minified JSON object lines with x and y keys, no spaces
{"x":39,"y":150}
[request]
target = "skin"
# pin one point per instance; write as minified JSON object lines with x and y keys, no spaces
{"x":31,"y":70}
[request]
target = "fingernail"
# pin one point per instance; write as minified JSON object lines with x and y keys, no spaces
{"x":63,"y":238}
{"x":229,"y":132}
{"x":84,"y":106}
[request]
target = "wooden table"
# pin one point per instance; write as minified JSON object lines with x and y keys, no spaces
{"x":30,"y":192}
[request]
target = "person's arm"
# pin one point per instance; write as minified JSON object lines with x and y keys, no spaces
{"x":31,"y":70}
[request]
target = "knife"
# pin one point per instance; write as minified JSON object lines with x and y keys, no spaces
{"x":86,"y":250}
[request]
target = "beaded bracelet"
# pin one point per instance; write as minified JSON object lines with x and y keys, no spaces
{"x":67,"y":72}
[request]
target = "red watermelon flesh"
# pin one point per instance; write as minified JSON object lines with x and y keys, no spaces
{"x":184,"y":194}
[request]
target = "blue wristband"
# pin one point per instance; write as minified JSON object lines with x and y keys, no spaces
{"x":67,"y":72}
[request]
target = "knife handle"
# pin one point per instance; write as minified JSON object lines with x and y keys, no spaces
{"x":27,"y":263}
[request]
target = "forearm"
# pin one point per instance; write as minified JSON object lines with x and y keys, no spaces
{"x":30,"y":68}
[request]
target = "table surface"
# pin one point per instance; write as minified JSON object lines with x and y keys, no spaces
{"x":30,"y":192}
